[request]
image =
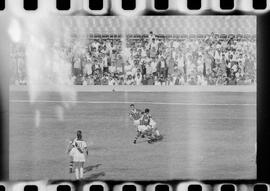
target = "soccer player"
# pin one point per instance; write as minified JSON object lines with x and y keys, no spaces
{"x":135,"y":115}
{"x":153,"y":126}
{"x":78,"y":153}
{"x":147,"y":126}
{"x":149,"y":120}
{"x":144,"y":127}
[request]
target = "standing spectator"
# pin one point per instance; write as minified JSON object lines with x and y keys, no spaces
{"x":87,"y":69}
{"x":162,"y":65}
{"x":77,"y":66}
{"x":151,"y":36}
{"x":143,"y":69}
{"x":170,"y":66}
{"x":97,"y":80}
{"x":130,"y":80}
{"x":153,"y":64}
{"x":105,"y":79}
{"x":153,"y":49}
{"x":148,"y":69}
{"x":200,"y":63}
{"x":223,"y":64}
{"x":95,"y":45}
{"x":96,"y":67}
{"x":105,"y":64}
{"x":138,"y":79}
{"x":228,"y":68}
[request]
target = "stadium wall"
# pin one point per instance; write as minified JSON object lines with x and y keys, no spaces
{"x":147,"y":88}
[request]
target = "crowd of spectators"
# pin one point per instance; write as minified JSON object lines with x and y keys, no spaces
{"x":155,"y":60}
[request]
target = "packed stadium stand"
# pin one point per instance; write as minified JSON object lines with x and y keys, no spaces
{"x":151,"y":50}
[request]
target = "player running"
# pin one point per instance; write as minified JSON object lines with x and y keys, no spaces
{"x":77,"y":152}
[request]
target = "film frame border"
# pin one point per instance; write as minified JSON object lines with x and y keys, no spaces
{"x":136,"y":186}
{"x":262,"y":35}
{"x":142,"y":7}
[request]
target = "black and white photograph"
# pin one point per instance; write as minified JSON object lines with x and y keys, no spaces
{"x":133,"y":98}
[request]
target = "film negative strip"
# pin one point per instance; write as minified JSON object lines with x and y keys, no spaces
{"x":134,"y":95}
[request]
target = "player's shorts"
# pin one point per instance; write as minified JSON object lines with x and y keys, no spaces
{"x":77,"y":155}
{"x":143,"y":128}
{"x":136,"y":122}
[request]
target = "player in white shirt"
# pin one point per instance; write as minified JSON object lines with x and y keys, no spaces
{"x":78,"y":152}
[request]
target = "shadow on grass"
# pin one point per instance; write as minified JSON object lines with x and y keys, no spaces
{"x":143,"y":140}
{"x":89,"y":168}
{"x":95,"y":175}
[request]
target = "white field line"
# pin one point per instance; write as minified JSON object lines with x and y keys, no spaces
{"x":134,"y":102}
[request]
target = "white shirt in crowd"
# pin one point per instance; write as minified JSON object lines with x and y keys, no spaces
{"x":217,"y":56}
{"x":105,"y":61}
{"x":229,"y":65}
{"x":154,"y":66}
{"x":143,"y":53}
{"x":234,"y":67}
{"x":154,"y":45}
{"x":200,"y":65}
{"x":174,"y":54}
{"x":77,"y":63}
{"x":175,"y":44}
{"x":88,"y":68}
{"x":95,"y":45}
{"x":138,"y":79}
{"x":112,"y":82}
{"x":162,"y":64}
{"x":182,"y":80}
{"x":133,"y":70}
{"x":180,"y":62}
{"x":148,"y":69}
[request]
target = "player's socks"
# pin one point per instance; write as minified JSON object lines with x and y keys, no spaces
{"x":70,"y":166}
{"x":77,"y":173}
{"x":81,"y":172}
{"x":135,"y":140}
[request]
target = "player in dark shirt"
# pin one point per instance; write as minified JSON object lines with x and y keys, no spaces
{"x":135,"y":115}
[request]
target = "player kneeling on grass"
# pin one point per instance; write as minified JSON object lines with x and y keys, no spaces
{"x":147,"y":128}
{"x":143,"y":131}
{"x":153,"y":125}
{"x":78,"y":152}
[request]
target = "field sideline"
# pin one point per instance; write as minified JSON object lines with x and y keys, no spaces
{"x":207,"y":135}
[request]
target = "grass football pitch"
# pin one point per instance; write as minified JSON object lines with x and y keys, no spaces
{"x":207,"y":135}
